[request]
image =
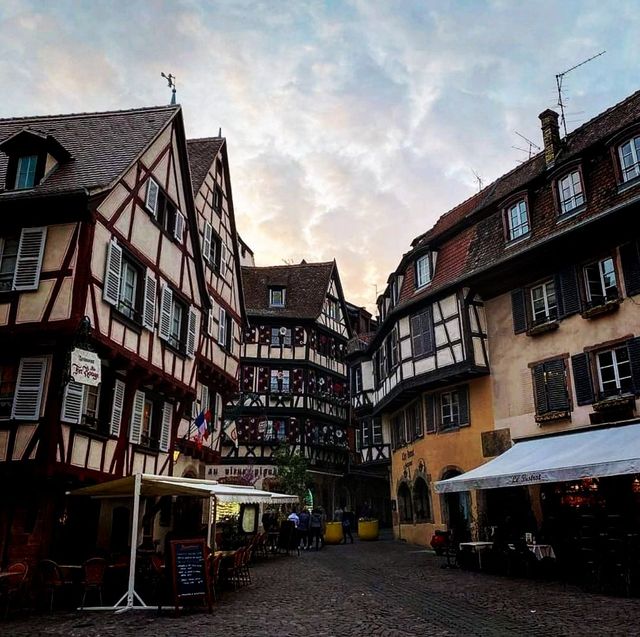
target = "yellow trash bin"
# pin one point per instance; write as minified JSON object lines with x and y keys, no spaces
{"x":333,"y":533}
{"x":368,"y":529}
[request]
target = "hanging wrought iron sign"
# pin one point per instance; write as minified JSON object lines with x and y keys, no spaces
{"x":85,"y":367}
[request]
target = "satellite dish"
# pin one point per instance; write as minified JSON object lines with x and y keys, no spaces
{"x":283,"y":331}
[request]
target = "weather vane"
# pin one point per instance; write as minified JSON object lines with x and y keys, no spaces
{"x":171,"y":81}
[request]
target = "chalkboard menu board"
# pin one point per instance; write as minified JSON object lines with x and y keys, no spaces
{"x":190,"y":573}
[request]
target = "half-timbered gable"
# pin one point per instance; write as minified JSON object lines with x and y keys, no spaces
{"x":99,"y":252}
{"x":293,"y":380}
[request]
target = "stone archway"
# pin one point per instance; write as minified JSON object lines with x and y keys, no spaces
{"x":456,"y":508}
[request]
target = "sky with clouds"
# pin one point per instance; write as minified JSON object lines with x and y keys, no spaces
{"x":352,"y":125}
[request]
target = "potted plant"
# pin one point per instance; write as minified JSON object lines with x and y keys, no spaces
{"x":368,"y":528}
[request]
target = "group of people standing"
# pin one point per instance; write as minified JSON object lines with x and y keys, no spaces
{"x":310,"y":527}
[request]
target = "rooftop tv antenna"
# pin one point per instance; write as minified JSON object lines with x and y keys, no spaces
{"x":559,"y":80}
{"x":478,"y":179}
{"x":171,"y":81}
{"x":532,"y":145}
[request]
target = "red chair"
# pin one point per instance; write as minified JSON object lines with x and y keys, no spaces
{"x":12,"y":586}
{"x":93,"y":577}
{"x":51,"y":580}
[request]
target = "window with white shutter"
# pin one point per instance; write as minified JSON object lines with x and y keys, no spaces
{"x":166,"y":305}
{"x":223,"y":259}
{"x":137,"y":415}
{"x":149,"y":308}
{"x":151,"y":201}
{"x":178,"y":228}
{"x":222,"y":327}
{"x":191,"y":332}
{"x":117,"y":407}
{"x":206,"y":241}
{"x":165,"y":427}
{"x":72,"y":403}
{"x":113,"y":270}
{"x":29,"y":262}
{"x":210,"y":318}
{"x":29,"y":389}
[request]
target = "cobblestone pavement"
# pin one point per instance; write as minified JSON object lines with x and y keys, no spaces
{"x":377,"y":588}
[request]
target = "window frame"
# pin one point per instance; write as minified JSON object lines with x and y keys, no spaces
{"x":615,"y":366}
{"x":134,"y":312}
{"x":30,"y":173}
{"x":277,"y":289}
{"x":427,"y":348}
{"x":426,"y":259}
{"x":11,"y":275}
{"x":563,"y":210}
{"x":634,"y":142}
{"x":551,"y":313}
{"x":280,"y":386}
{"x":590,"y":302}
{"x":509,"y":229}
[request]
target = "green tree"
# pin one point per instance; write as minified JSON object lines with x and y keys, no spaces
{"x":292,"y":472}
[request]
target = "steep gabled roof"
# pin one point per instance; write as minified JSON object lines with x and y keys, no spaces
{"x":307,"y":285}
{"x":201,"y":154}
{"x":101,"y":145}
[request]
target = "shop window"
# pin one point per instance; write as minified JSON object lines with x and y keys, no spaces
{"x":405,"y":508}
{"x":421,"y":500}
{"x":447,"y":410}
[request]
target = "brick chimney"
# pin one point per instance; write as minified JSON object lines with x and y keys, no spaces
{"x":550,"y":135}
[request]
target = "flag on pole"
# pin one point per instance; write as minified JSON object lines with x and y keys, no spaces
{"x":202,"y":423}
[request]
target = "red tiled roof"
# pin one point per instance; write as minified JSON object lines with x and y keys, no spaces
{"x":306,"y":288}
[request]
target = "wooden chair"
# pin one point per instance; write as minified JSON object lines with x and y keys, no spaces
{"x":93,"y":571}
{"x":51,"y":580}
{"x":245,"y":573}
{"x":12,"y":587}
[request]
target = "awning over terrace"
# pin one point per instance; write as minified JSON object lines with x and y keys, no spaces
{"x":592,"y":453}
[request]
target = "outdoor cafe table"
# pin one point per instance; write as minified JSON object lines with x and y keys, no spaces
{"x":539,"y":550}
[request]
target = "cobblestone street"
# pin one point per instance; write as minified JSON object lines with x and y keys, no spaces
{"x":379,"y":588}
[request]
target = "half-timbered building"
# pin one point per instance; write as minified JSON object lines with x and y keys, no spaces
{"x":100,"y":253}
{"x":293,"y":381}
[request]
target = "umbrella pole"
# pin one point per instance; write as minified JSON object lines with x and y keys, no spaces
{"x":209,"y":522}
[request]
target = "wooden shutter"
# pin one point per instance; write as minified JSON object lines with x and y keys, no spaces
{"x":633,"y":346}
{"x":518,"y":311}
{"x":223,"y":259}
{"x":165,"y":427}
{"x":29,"y":262}
{"x":151,"y":201}
{"x":430,"y":412}
{"x":539,"y":390}
{"x":205,"y":398}
{"x":567,"y":292}
{"x":72,"y":402}
{"x":206,"y":241}
{"x":428,"y":339}
{"x":178,"y":226}
{"x":191,"y":332}
{"x":630,"y":261}
{"x":112,"y":273}
{"x":222,"y":327}
{"x":29,"y":389}
{"x":463,"y":406}
{"x":229,"y":333}
{"x":149,"y":307}
{"x":416,"y":336}
{"x":137,"y":414}
{"x":582,"y":379}
{"x":117,"y":407}
{"x":166,"y":305}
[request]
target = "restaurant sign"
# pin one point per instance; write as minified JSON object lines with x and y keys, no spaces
{"x":85,"y":367}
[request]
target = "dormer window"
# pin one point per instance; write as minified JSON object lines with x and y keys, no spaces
{"x":630,"y":159}
{"x":423,"y":271}
{"x":26,"y":172}
{"x":571,"y":192}
{"x":517,"y":220}
{"x":277,"y":296}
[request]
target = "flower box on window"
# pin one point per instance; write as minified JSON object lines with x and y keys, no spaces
{"x":543,"y":328}
{"x":604,"y":308}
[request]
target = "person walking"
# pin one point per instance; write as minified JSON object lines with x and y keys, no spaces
{"x":315,"y":528}
{"x":303,"y":529}
{"x":347,"y":518}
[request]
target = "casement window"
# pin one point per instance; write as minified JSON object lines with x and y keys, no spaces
{"x":601,"y":374}
{"x":394,"y":292}
{"x":276,"y":430}
{"x":277,"y":296}
{"x":517,"y":220}
{"x":26,"y":172}
{"x":381,"y":361}
{"x":217,"y":198}
{"x":281,"y":336}
{"x":178,"y":322}
{"x":356,"y":379}
{"x":544,"y":307}
{"x":280,"y":381}
{"x":81,"y":404}
{"x":422,"y":337}
{"x":21,"y":259}
{"x":447,"y":410}
{"x":150,"y":424}
{"x":366,"y":433}
{"x":550,"y":387}
{"x":600,"y":282}
{"x":129,"y":287}
{"x":376,"y":430}
{"x":164,"y":211}
{"x":225,"y":330}
{"x":571,"y":192}
{"x":359,"y":444}
{"x":629,"y":153}
{"x":423,"y":271}
{"x":22,"y":385}
{"x":392,"y":349}
{"x":333,"y":310}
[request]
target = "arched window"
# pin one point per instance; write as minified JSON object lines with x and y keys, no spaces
{"x":421,"y":500}
{"x":405,"y":509}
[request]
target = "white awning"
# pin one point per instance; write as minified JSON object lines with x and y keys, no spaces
{"x":592,"y":453}
{"x":152,"y":485}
